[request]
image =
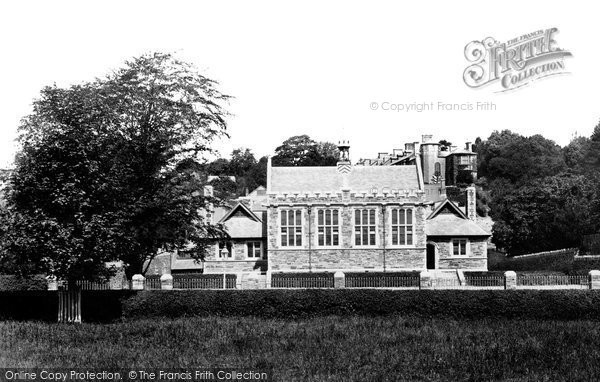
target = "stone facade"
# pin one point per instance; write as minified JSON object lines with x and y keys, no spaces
{"x":475,"y":258}
{"x":347,"y":256}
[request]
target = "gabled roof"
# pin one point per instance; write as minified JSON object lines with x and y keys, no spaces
{"x":448,"y":207}
{"x":448,"y":220}
{"x":237,"y":207}
{"x":328,"y":179}
{"x":244,"y":225}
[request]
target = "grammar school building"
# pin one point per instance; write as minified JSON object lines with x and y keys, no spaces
{"x":346,"y":218}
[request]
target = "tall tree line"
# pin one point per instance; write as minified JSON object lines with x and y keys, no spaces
{"x":543,"y":197}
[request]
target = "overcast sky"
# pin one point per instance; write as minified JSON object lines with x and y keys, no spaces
{"x":312,"y":67}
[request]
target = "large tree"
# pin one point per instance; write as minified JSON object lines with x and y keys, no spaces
{"x":301,"y":150}
{"x":516,"y":158}
{"x":550,"y":213}
{"x":97,"y":177}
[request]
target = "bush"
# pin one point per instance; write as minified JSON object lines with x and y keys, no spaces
{"x":29,"y":305}
{"x":104,"y":306}
{"x":96,"y":306}
{"x":14,"y":283}
{"x":534,"y":304}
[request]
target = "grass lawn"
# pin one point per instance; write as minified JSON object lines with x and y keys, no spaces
{"x":328,"y":348}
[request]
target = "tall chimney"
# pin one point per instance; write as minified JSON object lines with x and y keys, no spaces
{"x":471,"y":203}
{"x":343,"y":165}
{"x":427,"y":138}
{"x":469,"y":147}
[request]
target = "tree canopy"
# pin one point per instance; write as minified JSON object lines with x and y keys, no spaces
{"x":543,"y":197}
{"x":301,"y":150}
{"x":97,"y":176}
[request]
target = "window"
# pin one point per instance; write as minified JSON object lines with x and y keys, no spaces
{"x":291,"y":228}
{"x":254,"y":249}
{"x":402,"y":226}
{"x":328,"y":230}
{"x":225,"y":250}
{"x":437,"y":169}
{"x":459,"y":247}
{"x":364,"y":227}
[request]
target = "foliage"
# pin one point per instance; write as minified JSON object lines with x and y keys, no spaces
{"x":282,"y":303}
{"x":551,"y":213}
{"x":248,"y":172}
{"x":464,"y":178}
{"x":445,"y":145}
{"x":541,"y":197}
{"x":301,"y":150}
{"x":517,"y":158}
{"x":97,"y":178}
{"x":310,"y":303}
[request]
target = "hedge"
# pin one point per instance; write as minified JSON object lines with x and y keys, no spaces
{"x":104,"y":306}
{"x":12,"y":282}
{"x":96,"y":306}
{"x":535,"y":304}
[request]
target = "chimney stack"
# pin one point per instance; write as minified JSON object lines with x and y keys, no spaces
{"x":344,"y":147}
{"x":469,"y":146}
{"x":427,"y":138}
{"x":343,"y":165}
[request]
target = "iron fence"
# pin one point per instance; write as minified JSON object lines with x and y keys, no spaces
{"x":553,"y":281}
{"x":485,"y":281}
{"x":93,"y":285}
{"x":382,"y":281}
{"x":152,"y":283}
{"x":205,"y":282}
{"x":302,"y":281}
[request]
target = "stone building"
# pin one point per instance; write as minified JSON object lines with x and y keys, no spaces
{"x":367,"y":218}
{"x":442,"y":166}
{"x":344,"y":218}
{"x":243,"y":251}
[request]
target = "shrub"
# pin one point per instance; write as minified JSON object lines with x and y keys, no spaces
{"x":535,"y":304}
{"x":12,"y":282}
{"x":103,"y":306}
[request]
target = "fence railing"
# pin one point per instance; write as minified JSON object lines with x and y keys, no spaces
{"x":381,"y":281}
{"x":152,"y":283}
{"x":301,"y":281}
{"x":207,"y":282}
{"x":553,"y":280}
{"x":93,"y":285}
{"x":424,"y":280}
{"x":485,"y":281}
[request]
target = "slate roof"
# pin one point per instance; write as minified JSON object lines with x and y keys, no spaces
{"x":245,"y":224}
{"x":328,"y":179}
{"x":448,"y":220}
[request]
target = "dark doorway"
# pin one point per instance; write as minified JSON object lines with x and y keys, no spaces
{"x":430,"y":256}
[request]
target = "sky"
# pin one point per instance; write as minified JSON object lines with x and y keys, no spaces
{"x":313,"y":67}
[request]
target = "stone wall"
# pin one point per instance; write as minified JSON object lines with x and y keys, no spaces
{"x":347,"y":259}
{"x":346,"y":256}
{"x":476,"y":257}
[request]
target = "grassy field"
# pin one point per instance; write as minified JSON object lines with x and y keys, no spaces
{"x":329,"y":348}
